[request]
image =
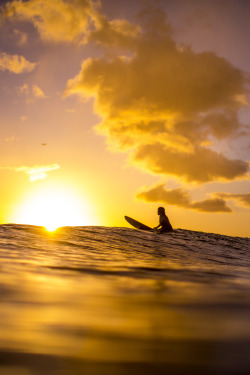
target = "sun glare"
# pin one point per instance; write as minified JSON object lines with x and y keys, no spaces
{"x":54,"y":208}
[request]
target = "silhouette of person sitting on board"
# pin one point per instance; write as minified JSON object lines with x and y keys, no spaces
{"x":164,"y":225}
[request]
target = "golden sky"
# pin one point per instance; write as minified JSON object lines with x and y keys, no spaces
{"x":112,"y":108}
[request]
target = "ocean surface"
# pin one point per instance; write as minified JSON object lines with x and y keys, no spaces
{"x":107,"y":300}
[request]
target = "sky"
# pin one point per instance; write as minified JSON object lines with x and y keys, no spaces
{"x":112,"y":108}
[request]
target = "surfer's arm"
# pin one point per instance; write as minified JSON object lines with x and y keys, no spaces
{"x":158,"y":226}
{"x":160,"y":223}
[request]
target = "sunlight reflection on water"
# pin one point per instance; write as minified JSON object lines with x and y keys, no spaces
{"x":112,"y":301}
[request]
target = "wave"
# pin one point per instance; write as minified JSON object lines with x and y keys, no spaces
{"x":117,"y":300}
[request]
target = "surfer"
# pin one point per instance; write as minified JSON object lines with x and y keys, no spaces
{"x":164,"y":225}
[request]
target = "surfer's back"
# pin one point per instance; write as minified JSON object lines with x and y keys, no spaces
{"x":165,"y":223}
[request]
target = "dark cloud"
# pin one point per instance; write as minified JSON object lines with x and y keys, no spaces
{"x":180,"y":197}
{"x":202,"y":165}
{"x":211,"y":205}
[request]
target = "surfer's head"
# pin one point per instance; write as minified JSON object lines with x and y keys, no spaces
{"x":161,"y":210}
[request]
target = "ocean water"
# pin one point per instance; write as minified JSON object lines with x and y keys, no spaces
{"x":102,"y":300}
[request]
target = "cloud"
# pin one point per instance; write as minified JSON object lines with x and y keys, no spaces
{"x":11,"y":139}
{"x":73,"y":21}
{"x":36,"y":172}
{"x":55,"y":20}
{"x":21,"y":37}
{"x":31,"y":92}
{"x":15,"y":64}
{"x":180,"y":197}
{"x":243,"y":199}
{"x":23,"y":90}
{"x":38,"y":92}
{"x":169,"y":107}
{"x":114,"y":33}
{"x":201,"y":165}
{"x":211,"y":205}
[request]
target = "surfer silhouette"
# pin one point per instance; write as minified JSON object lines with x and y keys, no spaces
{"x":164,"y":224}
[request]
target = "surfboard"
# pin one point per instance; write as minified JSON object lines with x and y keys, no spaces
{"x":136,"y":224}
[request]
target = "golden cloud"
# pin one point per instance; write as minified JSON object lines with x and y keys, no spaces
{"x":36,"y":172}
{"x":38,"y":92}
{"x":243,"y":199}
{"x":32,"y":93}
{"x":71,"y":21}
{"x":114,"y":33}
{"x":15,"y":64}
{"x":55,"y":20}
{"x":202,"y":165}
{"x":167,"y":104}
{"x":180,"y":197}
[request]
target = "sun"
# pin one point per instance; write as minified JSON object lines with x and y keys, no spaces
{"x":54,"y":207}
